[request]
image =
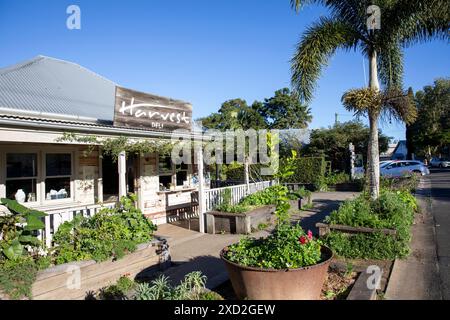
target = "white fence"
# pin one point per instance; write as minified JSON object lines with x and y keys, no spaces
{"x":214,"y":197}
{"x":55,"y":218}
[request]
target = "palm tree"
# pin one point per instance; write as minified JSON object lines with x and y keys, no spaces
{"x":403,"y":23}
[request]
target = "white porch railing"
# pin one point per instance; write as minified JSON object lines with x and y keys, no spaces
{"x":213,"y":197}
{"x":57,"y":217}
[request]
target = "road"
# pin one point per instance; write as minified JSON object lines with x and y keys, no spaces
{"x":440,"y":208}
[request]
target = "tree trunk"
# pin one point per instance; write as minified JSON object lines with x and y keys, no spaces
{"x":373,"y":157}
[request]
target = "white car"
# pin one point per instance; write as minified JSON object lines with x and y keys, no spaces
{"x":440,"y":163}
{"x":404,"y":168}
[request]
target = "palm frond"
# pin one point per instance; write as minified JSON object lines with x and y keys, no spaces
{"x":417,"y":21}
{"x":390,"y":65}
{"x":362,"y":100}
{"x":398,"y":105}
{"x":318,"y":43}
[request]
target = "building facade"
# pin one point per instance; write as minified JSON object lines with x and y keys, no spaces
{"x":54,"y":115}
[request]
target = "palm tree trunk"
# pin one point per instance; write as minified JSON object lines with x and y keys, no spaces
{"x":373,"y":157}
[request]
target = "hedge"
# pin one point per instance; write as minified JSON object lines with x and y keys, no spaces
{"x":308,"y":170}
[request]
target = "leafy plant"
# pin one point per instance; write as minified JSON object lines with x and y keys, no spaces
{"x":110,"y":233}
{"x":18,"y":229}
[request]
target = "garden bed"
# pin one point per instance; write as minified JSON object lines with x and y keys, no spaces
{"x":240,"y":223}
{"x":345,"y":186}
{"x":75,"y":280}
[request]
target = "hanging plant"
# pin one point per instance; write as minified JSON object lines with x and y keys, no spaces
{"x":113,"y":146}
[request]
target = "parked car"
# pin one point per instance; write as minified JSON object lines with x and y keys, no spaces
{"x":440,"y":162}
{"x":404,"y":168}
{"x":385,"y":163}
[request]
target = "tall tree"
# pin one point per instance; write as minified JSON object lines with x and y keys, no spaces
{"x":284,"y":111}
{"x":430,"y":133}
{"x":403,"y":23}
{"x":234,"y":114}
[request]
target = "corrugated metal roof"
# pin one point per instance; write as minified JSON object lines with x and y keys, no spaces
{"x":49,"y":85}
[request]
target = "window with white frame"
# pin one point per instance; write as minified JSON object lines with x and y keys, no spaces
{"x":27,"y":179}
{"x":21,"y":176}
{"x":58,"y":174}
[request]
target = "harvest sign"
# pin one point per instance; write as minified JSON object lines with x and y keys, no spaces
{"x":135,"y":109}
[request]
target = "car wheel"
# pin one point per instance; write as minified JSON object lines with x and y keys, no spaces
{"x":441,"y":165}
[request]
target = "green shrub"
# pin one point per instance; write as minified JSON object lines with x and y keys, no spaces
{"x":307,"y":170}
{"x":264,"y":197}
{"x":17,"y":277}
{"x":109,"y":233}
{"x":392,"y":210}
{"x":336,"y":178}
{"x":409,"y":184}
{"x":119,"y":290}
{"x":366,"y":246}
{"x":300,"y":193}
{"x":261,"y":198}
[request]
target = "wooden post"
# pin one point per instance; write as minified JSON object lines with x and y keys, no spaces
{"x":121,"y":163}
{"x":201,"y":193}
{"x":246,"y":174}
{"x":100,"y":177}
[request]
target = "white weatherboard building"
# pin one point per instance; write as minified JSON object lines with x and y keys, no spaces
{"x":44,"y":98}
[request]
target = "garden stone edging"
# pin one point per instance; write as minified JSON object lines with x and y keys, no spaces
{"x":74,"y":280}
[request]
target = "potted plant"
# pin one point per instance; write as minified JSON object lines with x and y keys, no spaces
{"x":288,"y":264}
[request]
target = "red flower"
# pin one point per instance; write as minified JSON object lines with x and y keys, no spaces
{"x":310,"y":235}
{"x":303,"y":240}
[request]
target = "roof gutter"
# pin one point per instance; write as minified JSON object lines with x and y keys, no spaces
{"x":65,"y":127}
{"x":46,"y":115}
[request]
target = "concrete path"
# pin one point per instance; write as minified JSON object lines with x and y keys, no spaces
{"x":324,"y":204}
{"x":425,"y":274}
{"x":192,"y":251}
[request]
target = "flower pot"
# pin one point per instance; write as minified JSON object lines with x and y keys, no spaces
{"x":278,"y":284}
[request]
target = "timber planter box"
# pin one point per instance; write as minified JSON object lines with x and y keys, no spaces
{"x":74,"y":280}
{"x":278,"y":284}
{"x":240,"y":223}
{"x":325,"y":228}
{"x":297,"y":204}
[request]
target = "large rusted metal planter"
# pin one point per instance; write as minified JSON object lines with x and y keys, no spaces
{"x":273,"y":284}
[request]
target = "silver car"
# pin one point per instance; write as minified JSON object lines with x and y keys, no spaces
{"x":440,"y":163}
{"x":402,"y":168}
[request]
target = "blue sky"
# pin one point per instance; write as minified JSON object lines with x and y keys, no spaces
{"x":201,"y":51}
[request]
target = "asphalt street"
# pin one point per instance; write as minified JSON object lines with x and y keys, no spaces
{"x":440,"y":208}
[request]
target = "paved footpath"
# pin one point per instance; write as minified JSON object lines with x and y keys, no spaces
{"x":425,"y":274}
{"x":192,"y":251}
